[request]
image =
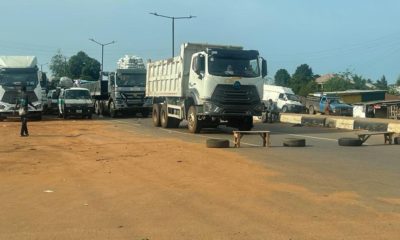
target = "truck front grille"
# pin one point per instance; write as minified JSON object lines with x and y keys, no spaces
{"x":13,"y":96}
{"x":226,"y":95}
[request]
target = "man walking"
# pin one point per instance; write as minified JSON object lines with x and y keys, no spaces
{"x":23,"y":111}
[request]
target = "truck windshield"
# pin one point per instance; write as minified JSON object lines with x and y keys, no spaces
{"x":227,"y":67}
{"x":131,"y":80}
{"x":13,"y":79}
{"x":292,"y":97}
{"x":77,"y":94}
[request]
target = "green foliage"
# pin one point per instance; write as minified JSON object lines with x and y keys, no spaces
{"x":83,"y":66}
{"x":282,"y":78}
{"x":53,"y":84}
{"x":337,"y":83}
{"x":382,"y":83}
{"x":398,"y":81}
{"x":58,"y":65}
{"x":302,"y":81}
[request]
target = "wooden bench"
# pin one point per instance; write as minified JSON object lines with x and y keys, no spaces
{"x":237,"y":136}
{"x":387,"y":136}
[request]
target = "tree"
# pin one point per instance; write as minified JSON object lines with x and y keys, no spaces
{"x":382,"y":83}
{"x":282,"y":78}
{"x":83,"y":66}
{"x":58,"y":65}
{"x":301,"y":79}
{"x":337,"y":83}
{"x":398,"y":81}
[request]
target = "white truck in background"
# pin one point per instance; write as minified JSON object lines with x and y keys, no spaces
{"x":15,"y":72}
{"x":122,"y":91}
{"x":285,"y":99}
{"x":207,"y":85}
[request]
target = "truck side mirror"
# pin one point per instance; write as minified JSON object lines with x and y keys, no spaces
{"x":264,"y":68}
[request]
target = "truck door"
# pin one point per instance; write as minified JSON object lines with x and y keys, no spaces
{"x":196,"y":76}
{"x":281,"y":101}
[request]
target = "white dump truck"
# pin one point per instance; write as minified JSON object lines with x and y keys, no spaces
{"x":207,"y":85}
{"x":120,"y":92}
{"x":15,"y":72}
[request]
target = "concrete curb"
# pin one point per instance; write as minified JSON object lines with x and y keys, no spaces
{"x":342,"y":122}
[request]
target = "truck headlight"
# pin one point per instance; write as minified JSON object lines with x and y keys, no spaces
{"x":210,"y":107}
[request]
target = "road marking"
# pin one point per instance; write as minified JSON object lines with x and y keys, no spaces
{"x":318,"y":138}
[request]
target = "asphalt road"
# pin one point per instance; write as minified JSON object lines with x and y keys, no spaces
{"x":371,"y":171}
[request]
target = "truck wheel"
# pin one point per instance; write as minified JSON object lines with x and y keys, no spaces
{"x":350,"y":142}
{"x":397,"y":140}
{"x":246,"y":124}
{"x":156,"y":115}
{"x":217,"y":143}
{"x":167,"y":122}
{"x":89,"y":116}
{"x":284,"y":109}
{"x":194,"y":124}
{"x":65,"y":116}
{"x":294,"y":142}
{"x":97,"y":107}
{"x":113,"y":111}
{"x":145,"y":113}
{"x":311,"y":110}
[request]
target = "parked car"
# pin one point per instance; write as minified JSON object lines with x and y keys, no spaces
{"x":285,"y":99}
{"x":75,"y":102}
{"x":317,"y":104}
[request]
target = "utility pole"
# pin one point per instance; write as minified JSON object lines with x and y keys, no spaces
{"x":41,"y":66}
{"x":173,"y":26}
{"x":102,"y":50}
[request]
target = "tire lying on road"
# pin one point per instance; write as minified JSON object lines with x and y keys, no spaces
{"x":217,"y":143}
{"x":349,"y":142}
{"x":294,"y":142}
{"x":397,"y":140}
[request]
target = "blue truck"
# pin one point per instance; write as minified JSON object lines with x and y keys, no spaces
{"x":318,"y":104}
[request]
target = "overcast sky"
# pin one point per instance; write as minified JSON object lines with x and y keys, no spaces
{"x":331,"y":36}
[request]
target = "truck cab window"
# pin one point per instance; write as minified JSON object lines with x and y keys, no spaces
{"x":281,"y":96}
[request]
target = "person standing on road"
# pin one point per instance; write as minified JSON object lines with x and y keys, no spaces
{"x":327,"y":107}
{"x":22,"y":105}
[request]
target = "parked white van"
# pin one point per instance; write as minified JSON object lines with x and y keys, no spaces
{"x":285,"y":99}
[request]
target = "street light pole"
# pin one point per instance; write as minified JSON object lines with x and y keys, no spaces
{"x":102,"y":50}
{"x":173,"y":26}
{"x":41,"y":66}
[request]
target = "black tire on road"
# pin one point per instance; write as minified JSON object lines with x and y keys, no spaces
{"x":311,"y":110}
{"x":349,"y":142}
{"x":194,"y":124}
{"x":156,"y":115}
{"x":294,"y":142}
{"x":284,"y":109}
{"x":89,"y":116}
{"x":217,"y":143}
{"x":397,"y":140}
{"x":65,"y":116}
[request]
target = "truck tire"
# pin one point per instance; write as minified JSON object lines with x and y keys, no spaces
{"x":112,"y":110}
{"x":65,"y":115}
{"x":397,"y":140}
{"x":156,"y":115}
{"x":353,"y":142}
{"x":311,"y":110}
{"x":217,"y":143}
{"x":97,"y":107}
{"x":167,"y":122}
{"x":89,"y":116}
{"x":194,"y":124}
{"x":294,"y":142}
{"x":246,"y":124}
{"x":145,"y":113}
{"x":284,"y":109}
